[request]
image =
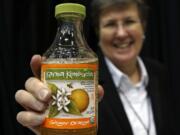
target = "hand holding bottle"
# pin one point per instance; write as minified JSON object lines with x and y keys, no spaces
{"x":35,"y":98}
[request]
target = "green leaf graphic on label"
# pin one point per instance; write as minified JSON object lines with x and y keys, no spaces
{"x":53,"y":111}
{"x":53,"y":88}
{"x":73,"y":108}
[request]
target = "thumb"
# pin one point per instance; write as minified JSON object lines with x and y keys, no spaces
{"x":36,"y":65}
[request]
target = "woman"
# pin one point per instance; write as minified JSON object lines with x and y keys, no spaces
{"x":134,"y":103}
{"x":135,"y":93}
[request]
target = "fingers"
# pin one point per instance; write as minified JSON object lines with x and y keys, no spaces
{"x":38,"y":89}
{"x":100,"y":92}
{"x":30,"y":119}
{"x":36,"y":65}
{"x":35,"y":97}
{"x":35,"y":100}
{"x":29,"y":102}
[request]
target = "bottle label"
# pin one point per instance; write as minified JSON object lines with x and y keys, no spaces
{"x":73,"y":104}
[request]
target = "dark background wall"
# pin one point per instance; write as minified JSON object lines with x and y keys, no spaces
{"x":28,"y":27}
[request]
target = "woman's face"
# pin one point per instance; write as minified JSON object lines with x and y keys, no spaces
{"x":121,"y":34}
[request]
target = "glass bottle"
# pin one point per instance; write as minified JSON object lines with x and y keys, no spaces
{"x":70,"y":69}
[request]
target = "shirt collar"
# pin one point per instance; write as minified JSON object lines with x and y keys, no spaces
{"x":120,"y":78}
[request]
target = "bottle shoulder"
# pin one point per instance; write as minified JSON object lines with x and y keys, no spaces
{"x":70,"y":60}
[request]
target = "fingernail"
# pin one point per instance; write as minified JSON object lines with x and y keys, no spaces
{"x":43,"y":94}
{"x":39,"y":106}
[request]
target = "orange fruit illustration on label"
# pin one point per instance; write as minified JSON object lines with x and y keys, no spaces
{"x":80,"y":98}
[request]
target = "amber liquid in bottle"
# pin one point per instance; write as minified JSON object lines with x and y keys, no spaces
{"x":83,"y":131}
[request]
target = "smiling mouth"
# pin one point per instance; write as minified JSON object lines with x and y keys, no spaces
{"x":123,"y":45}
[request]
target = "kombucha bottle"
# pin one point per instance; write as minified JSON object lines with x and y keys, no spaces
{"x":70,"y":69}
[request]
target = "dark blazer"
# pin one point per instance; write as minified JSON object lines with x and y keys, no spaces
{"x":112,"y":117}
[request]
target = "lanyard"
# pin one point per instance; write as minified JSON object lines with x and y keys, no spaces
{"x":146,"y":128}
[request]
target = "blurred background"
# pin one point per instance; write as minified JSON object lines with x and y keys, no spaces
{"x":28,"y":27}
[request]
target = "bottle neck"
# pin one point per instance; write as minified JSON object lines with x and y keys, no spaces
{"x":69,"y":41}
{"x":70,"y":31}
{"x":69,"y":37}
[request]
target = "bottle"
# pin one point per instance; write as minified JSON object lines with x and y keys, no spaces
{"x":70,"y":69}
